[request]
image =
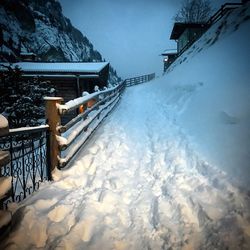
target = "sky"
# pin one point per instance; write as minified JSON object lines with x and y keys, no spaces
{"x":130,"y":34}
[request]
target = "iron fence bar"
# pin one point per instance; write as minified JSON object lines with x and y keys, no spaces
{"x":48,"y":160}
{"x":11,"y":169}
{"x":23,"y":167}
{"x":33,"y":164}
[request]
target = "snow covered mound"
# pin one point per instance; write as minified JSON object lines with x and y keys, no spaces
{"x":213,"y":79}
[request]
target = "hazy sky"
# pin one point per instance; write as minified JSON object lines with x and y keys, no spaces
{"x":131,"y":34}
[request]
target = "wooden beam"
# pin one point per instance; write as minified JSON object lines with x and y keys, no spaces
{"x":54,"y":121}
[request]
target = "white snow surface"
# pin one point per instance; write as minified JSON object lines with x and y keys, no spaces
{"x":166,"y":169}
{"x":81,"y":67}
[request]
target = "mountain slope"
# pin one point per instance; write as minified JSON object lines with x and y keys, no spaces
{"x":40,"y":27}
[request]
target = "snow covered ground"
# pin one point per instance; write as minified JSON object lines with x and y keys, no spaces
{"x":153,"y":177}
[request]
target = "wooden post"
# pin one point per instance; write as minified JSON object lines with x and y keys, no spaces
{"x":54,"y":120}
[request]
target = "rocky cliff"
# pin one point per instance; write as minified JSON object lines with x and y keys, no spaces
{"x":39,"y":26}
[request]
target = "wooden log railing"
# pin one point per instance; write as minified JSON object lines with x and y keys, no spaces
{"x":66,"y":140}
{"x":139,"y":79}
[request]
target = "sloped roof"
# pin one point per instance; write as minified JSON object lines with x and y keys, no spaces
{"x":60,"y":67}
{"x":179,"y":28}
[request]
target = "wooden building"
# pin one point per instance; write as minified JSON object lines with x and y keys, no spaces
{"x":186,"y":33}
{"x":69,"y":79}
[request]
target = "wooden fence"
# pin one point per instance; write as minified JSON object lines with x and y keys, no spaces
{"x":139,"y":79}
{"x":34,"y":152}
{"x":66,"y":140}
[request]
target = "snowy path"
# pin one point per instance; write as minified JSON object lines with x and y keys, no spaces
{"x":137,"y":185}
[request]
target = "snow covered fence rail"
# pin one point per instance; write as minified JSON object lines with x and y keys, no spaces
{"x":29,"y":160}
{"x":139,"y":79}
{"x":66,"y":140}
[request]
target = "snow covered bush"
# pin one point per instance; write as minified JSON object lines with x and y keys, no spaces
{"x":22,"y":100}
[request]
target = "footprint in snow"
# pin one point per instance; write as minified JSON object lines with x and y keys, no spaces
{"x":94,"y":149}
{"x":59,"y":213}
{"x":228,"y":119}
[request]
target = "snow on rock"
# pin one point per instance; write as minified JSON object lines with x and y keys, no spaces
{"x":5,"y":218}
{"x":4,"y":125}
{"x":4,"y":157}
{"x":5,"y":185}
{"x":145,"y":180}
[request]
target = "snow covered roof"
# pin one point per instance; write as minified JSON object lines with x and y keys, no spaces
{"x":68,"y":67}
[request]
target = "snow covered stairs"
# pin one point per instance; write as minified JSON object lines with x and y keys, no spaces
{"x":5,"y":182}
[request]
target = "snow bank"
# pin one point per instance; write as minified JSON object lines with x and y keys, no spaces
{"x":213,"y":76}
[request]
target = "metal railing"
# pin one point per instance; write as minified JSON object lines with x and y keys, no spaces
{"x":222,"y":11}
{"x":30,"y":163}
{"x":139,"y":79}
{"x":66,"y":140}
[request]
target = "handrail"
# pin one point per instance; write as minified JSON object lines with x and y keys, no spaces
{"x":25,"y":130}
{"x":76,"y":103}
{"x":72,"y":122}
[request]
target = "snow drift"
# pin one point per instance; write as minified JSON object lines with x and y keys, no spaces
{"x":214,"y":76}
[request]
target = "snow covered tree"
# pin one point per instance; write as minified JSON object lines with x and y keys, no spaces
{"x":194,"y":11}
{"x":22,"y":100}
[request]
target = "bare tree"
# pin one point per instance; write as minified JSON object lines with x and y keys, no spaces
{"x":194,"y":11}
